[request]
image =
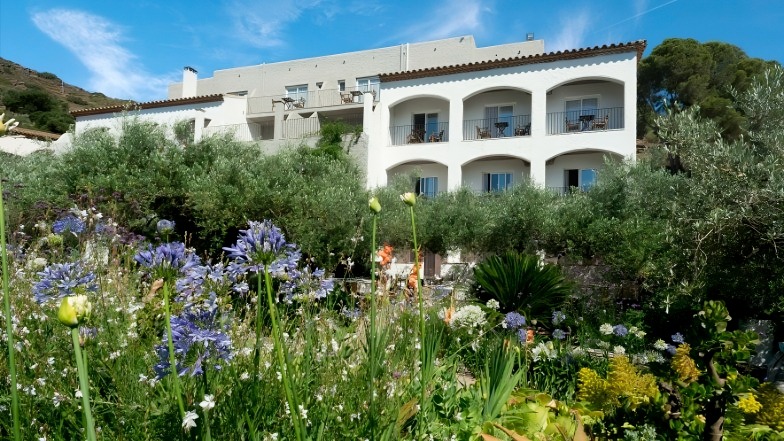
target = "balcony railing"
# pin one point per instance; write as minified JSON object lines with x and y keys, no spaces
{"x":419,"y":133}
{"x":310,"y":100}
{"x":309,"y":127}
{"x":579,"y":121}
{"x":501,"y":127}
{"x":565,"y":191}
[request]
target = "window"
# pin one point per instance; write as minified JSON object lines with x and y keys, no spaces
{"x":494,"y":182}
{"x":580,"y":178}
{"x":297,"y":92}
{"x":342,"y":85}
{"x":582,"y":106}
{"x":369,"y":84}
{"x":427,"y":187}
{"x":499,"y":114}
{"x":425,"y":124}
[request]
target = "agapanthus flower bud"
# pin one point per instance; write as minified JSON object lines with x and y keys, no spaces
{"x":165,"y":226}
{"x":408,"y":198}
{"x":74,"y":310}
{"x":375,"y":205}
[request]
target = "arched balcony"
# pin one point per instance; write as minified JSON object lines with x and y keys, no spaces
{"x":419,"y":120}
{"x":585,"y":105}
{"x":496,"y":114}
{"x":494,"y":173}
{"x":428,"y":178}
{"x":575,"y":171}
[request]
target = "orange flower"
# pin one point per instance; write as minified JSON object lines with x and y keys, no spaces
{"x":529,"y":336}
{"x":448,"y":312}
{"x":385,"y":254}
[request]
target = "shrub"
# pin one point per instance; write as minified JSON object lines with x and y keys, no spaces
{"x":521,"y":283}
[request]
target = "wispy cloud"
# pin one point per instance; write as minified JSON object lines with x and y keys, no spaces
{"x":264,"y":24}
{"x":640,"y":9}
{"x":449,"y":19}
{"x":98,"y":44}
{"x":574,"y":27}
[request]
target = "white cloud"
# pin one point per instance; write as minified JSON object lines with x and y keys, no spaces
{"x":572,"y":35}
{"x":264,"y":24}
{"x":97,"y":43}
{"x":451,"y":18}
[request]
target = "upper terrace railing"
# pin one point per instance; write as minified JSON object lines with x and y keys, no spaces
{"x":310,"y":100}
{"x":577,"y":121}
{"x":500,"y":127}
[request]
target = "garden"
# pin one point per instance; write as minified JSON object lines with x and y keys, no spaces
{"x":160,"y":291}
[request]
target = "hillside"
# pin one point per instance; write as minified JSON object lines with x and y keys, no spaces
{"x":40,"y":100}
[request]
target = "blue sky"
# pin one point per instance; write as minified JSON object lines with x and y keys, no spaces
{"x":134,"y":49}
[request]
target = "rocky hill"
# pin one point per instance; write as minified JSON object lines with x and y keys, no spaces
{"x":40,"y":100}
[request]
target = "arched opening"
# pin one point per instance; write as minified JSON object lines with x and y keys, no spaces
{"x":427,"y":178}
{"x":419,"y":120}
{"x":575,"y":171}
{"x":497,"y":113}
{"x":495,"y":173}
{"x":585,"y":105}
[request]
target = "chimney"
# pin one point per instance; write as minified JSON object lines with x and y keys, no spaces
{"x":189,"y":82}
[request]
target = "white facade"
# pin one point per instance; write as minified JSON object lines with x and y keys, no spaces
{"x":543,"y":121}
{"x":457,"y":115}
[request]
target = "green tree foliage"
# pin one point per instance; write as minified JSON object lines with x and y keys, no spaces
{"x":45,"y":112}
{"x":693,"y":73}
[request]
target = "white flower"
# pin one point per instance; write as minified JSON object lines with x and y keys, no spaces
{"x":544,"y":351}
{"x":208,"y":403}
{"x":78,"y":393}
{"x":606,"y":329}
{"x":619,"y":350}
{"x":660,"y":345}
{"x":244,"y":376}
{"x":493,"y":304}
{"x":640,"y":334}
{"x":469,"y":316}
{"x":189,"y":420}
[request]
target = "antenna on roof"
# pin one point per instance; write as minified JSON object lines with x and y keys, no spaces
{"x":529,"y":36}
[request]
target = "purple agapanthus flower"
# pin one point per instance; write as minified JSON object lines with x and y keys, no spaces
{"x":514,"y":320}
{"x":620,"y":330}
{"x":68,"y":224}
{"x":261,"y":246}
{"x":200,"y":280}
{"x":167,"y":261}
{"x":677,"y":338}
{"x":60,"y":280}
{"x":200,"y":342}
{"x":558,"y":317}
{"x":559,"y":334}
{"x":304,"y":285}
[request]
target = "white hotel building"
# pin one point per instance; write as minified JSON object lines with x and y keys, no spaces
{"x":460,"y":115}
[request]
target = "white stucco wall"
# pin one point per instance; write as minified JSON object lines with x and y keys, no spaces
{"x":612,"y":77}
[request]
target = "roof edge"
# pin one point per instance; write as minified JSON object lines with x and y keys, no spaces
{"x":131,"y":105}
{"x":634,"y":46}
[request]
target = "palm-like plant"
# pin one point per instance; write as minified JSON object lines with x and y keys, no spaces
{"x":519,"y":282}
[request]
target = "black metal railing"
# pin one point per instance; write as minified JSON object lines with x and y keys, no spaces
{"x":501,"y":127}
{"x":578,"y":121}
{"x":419,"y":133}
{"x":565,"y":191}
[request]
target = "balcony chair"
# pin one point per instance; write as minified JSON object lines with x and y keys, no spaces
{"x":601,"y":123}
{"x":482,"y":133}
{"x":572,"y":126}
{"x":436,"y":137}
{"x":300,"y":103}
{"x":523,"y":131}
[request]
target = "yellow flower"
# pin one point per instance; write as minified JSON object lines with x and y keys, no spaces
{"x":7,"y":126}
{"x":749,"y":404}
{"x":683,"y":365}
{"x":623,"y":383}
{"x":408,"y":198}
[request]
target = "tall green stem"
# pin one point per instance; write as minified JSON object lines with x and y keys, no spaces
{"x":207,"y":435}
{"x":291,"y":398}
{"x":257,"y":352}
{"x":422,"y":357}
{"x":84,"y":385}
{"x":372,"y":341}
{"x":9,"y":328}
{"x":175,"y":377}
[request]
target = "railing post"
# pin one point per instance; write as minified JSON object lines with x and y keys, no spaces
{"x":278,"y":108}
